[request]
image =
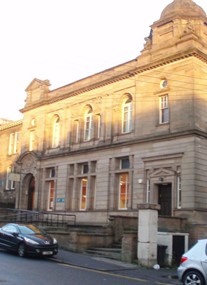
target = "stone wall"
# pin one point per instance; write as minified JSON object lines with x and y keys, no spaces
{"x":81,"y":241}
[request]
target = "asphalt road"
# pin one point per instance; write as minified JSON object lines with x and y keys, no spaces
{"x":69,"y":268}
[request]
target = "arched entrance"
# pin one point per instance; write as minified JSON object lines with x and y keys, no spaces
{"x":27,"y":193}
{"x":27,"y":167}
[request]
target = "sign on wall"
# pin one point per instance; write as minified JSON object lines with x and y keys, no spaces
{"x":14,"y":177}
{"x":60,"y":200}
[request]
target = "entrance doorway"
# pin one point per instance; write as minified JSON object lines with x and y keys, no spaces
{"x":178,"y":248}
{"x":165,"y":199}
{"x":31,"y":192}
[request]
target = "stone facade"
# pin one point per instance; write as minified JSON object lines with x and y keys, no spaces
{"x":132,"y":134}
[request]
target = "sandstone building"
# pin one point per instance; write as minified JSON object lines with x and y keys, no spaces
{"x":132,"y":134}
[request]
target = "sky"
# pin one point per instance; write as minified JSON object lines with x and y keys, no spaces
{"x":67,"y":40}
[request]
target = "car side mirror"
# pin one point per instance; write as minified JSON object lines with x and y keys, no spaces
{"x":15,"y":234}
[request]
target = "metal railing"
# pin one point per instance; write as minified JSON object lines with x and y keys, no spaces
{"x":47,"y":218}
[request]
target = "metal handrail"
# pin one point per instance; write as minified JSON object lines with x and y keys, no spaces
{"x":48,"y":218}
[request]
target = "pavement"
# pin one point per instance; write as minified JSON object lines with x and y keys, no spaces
{"x":165,"y":276}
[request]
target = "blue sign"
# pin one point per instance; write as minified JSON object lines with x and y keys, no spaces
{"x":60,"y":200}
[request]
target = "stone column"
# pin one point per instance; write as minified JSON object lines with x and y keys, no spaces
{"x":147,"y":234}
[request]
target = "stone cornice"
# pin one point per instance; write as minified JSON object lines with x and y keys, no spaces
{"x":11,"y":125}
{"x":178,"y":135}
{"x":131,"y":69}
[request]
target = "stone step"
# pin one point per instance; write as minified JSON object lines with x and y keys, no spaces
{"x":90,"y":228}
{"x":107,"y":252}
{"x":117,"y":245}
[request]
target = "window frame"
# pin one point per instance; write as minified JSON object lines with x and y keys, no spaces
{"x":127,"y":115}
{"x":88,"y":122}
{"x":85,"y":168}
{"x":83,"y":194}
{"x":51,"y":195}
{"x":164,"y":109}
{"x":123,"y":192}
{"x":10,"y":184}
{"x":56,"y":132}
{"x":124,"y":160}
{"x":13,"y":143}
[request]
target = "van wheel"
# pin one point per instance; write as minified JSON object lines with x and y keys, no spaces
{"x":193,"y":277}
{"x":21,"y":250}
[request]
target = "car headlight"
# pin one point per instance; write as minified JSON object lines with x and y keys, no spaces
{"x":30,"y":241}
{"x":54,"y":240}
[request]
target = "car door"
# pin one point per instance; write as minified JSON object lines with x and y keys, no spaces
{"x":2,"y":238}
{"x":8,"y":236}
{"x":203,"y":257}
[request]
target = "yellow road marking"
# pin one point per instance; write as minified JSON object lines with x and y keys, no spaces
{"x":106,"y":273}
{"x":113,"y":274}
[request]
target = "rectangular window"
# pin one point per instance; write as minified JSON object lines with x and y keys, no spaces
{"x":127,"y":118}
{"x":179,"y":198}
{"x":31,"y":140}
{"x":10,"y":184}
{"x":51,"y":195}
{"x":88,"y":127}
{"x":124,"y":163}
{"x":164,"y":109}
{"x":13,"y":143}
{"x":123,"y":191}
{"x":52,"y":172}
{"x":56,"y":133}
{"x":85,"y":168}
{"x":83,"y":194}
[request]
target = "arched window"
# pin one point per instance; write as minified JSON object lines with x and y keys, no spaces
{"x":88,"y":122}
{"x":56,"y":132}
{"x":127,"y":115}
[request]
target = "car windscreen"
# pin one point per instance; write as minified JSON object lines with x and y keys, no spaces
{"x":29,"y":230}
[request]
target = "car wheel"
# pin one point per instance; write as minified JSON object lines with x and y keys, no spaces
{"x":193,"y":277}
{"x":21,"y":250}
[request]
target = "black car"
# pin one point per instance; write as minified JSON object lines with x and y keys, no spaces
{"x":27,"y":239}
